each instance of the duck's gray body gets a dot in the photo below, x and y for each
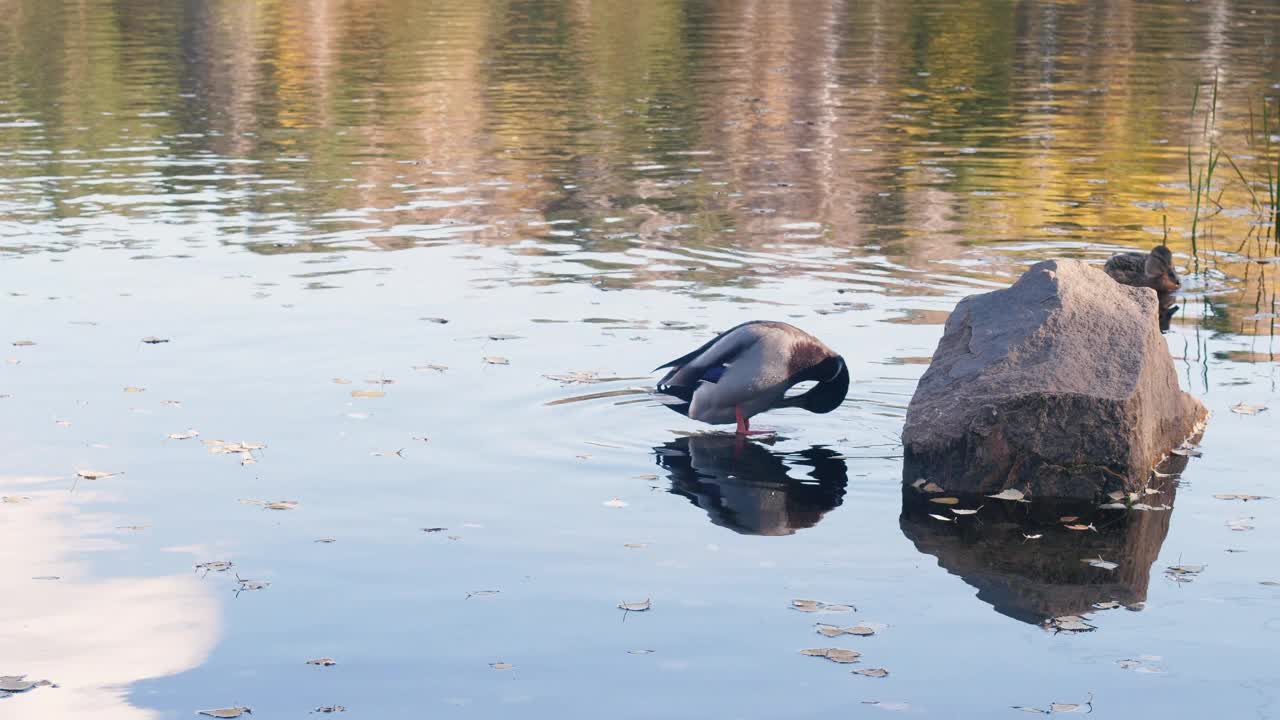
(748, 369)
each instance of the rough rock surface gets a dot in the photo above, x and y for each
(1059, 386)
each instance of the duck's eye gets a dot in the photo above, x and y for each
(801, 388)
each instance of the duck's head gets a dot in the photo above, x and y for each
(832, 378)
(1159, 270)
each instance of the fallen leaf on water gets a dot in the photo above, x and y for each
(434, 529)
(47, 577)
(614, 503)
(1037, 536)
(14, 499)
(1100, 563)
(381, 381)
(838, 655)
(95, 474)
(367, 394)
(281, 505)
(184, 435)
(215, 565)
(430, 366)
(1026, 709)
(1070, 623)
(1066, 708)
(231, 712)
(1068, 518)
(62, 423)
(1108, 605)
(1239, 496)
(959, 511)
(872, 672)
(1240, 524)
(1186, 452)
(325, 540)
(833, 630)
(641, 652)
(341, 381)
(171, 403)
(943, 518)
(640, 606)
(19, 683)
(1244, 408)
(1010, 494)
(1081, 527)
(495, 360)
(329, 709)
(153, 340)
(482, 593)
(251, 584)
(501, 665)
(1117, 495)
(23, 343)
(435, 320)
(504, 336)
(896, 706)
(1113, 506)
(635, 546)
(134, 389)
(323, 662)
(816, 606)
(1270, 583)
(388, 453)
(932, 487)
(945, 500)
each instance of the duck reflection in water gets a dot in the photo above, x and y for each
(1028, 565)
(747, 487)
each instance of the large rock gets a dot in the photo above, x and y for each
(1060, 386)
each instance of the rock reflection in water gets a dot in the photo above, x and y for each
(747, 487)
(1034, 579)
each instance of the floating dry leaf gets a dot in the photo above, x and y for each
(329, 709)
(1239, 496)
(838, 655)
(945, 500)
(932, 487)
(62, 423)
(501, 665)
(1270, 583)
(153, 340)
(895, 706)
(436, 320)
(184, 435)
(341, 381)
(834, 630)
(943, 518)
(1068, 518)
(614, 503)
(215, 566)
(323, 662)
(231, 712)
(1079, 526)
(1108, 605)
(325, 540)
(367, 394)
(430, 366)
(641, 652)
(1244, 408)
(171, 403)
(482, 593)
(495, 360)
(816, 606)
(14, 499)
(1183, 573)
(640, 606)
(1036, 536)
(134, 389)
(251, 584)
(1010, 494)
(1100, 563)
(281, 505)
(872, 672)
(388, 453)
(1070, 623)
(974, 511)
(635, 546)
(1113, 506)
(19, 683)
(95, 474)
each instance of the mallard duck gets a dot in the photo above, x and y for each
(1153, 270)
(748, 369)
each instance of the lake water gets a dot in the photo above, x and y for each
(294, 194)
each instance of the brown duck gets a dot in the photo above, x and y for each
(1153, 270)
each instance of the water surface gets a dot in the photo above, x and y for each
(295, 194)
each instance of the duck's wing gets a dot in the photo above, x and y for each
(1127, 268)
(708, 361)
